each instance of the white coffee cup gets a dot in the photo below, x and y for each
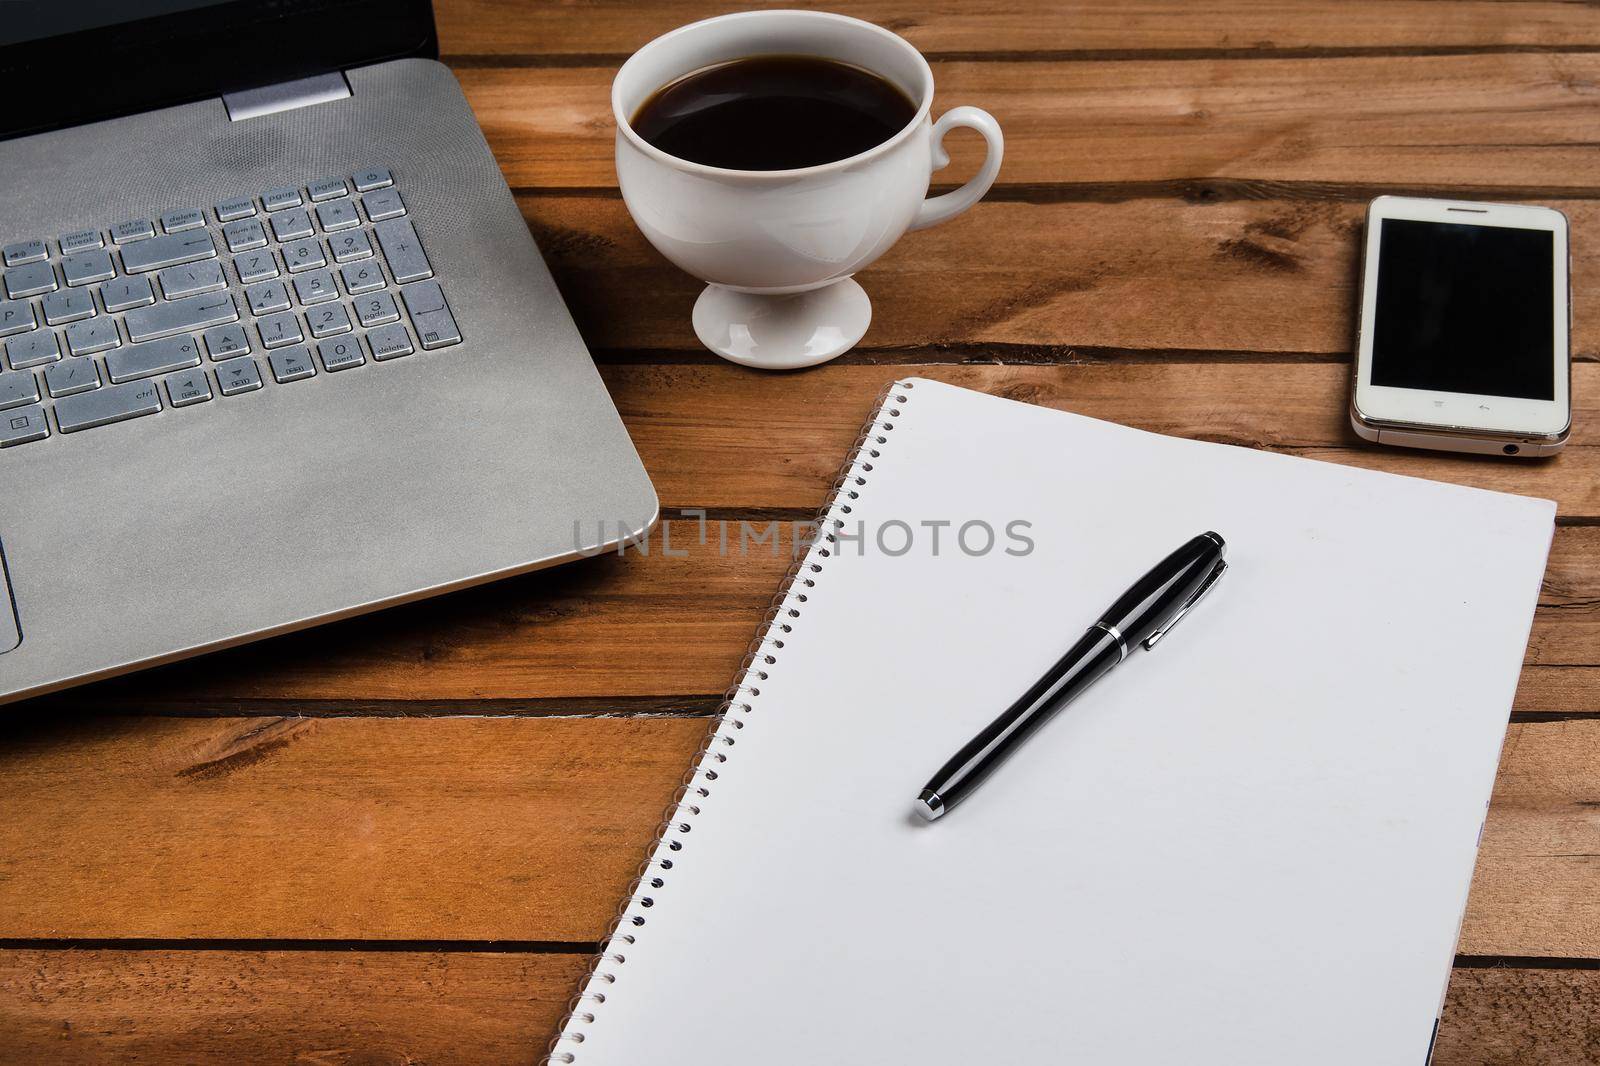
(777, 248)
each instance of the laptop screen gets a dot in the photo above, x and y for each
(76, 61)
(40, 21)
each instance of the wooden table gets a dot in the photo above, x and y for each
(395, 840)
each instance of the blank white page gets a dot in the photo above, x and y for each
(1250, 845)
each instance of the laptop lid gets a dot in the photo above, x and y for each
(66, 62)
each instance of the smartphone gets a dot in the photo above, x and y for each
(1464, 342)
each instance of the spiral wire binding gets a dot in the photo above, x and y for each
(777, 622)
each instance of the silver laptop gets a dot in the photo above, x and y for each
(278, 348)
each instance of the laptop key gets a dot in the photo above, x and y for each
(383, 204)
(304, 255)
(256, 266)
(178, 221)
(68, 305)
(22, 425)
(17, 388)
(85, 268)
(279, 330)
(114, 403)
(122, 294)
(338, 214)
(376, 309)
(30, 280)
(187, 387)
(238, 375)
(81, 241)
(236, 208)
(291, 225)
(362, 277)
(174, 249)
(327, 189)
(315, 287)
(389, 342)
(279, 199)
(33, 349)
(350, 246)
(195, 277)
(178, 316)
(16, 316)
(341, 354)
(328, 320)
(25, 252)
(134, 229)
(267, 297)
(153, 357)
(92, 335)
(373, 178)
(225, 342)
(431, 315)
(407, 261)
(244, 235)
(72, 377)
(292, 364)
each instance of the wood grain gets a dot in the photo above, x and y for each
(464, 828)
(496, 28)
(760, 448)
(396, 1008)
(1537, 884)
(520, 829)
(1141, 278)
(1519, 1017)
(388, 1008)
(1468, 121)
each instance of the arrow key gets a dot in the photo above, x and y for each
(238, 375)
(187, 387)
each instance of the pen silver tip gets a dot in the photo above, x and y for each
(929, 805)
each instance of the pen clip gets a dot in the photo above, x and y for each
(1205, 587)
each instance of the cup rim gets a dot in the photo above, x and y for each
(625, 125)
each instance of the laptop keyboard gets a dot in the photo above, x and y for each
(195, 307)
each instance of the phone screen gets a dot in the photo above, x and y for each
(1464, 308)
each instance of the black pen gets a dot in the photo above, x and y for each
(1142, 615)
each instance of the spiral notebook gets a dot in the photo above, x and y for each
(1250, 845)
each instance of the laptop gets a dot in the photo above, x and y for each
(277, 346)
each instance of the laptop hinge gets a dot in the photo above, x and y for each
(285, 96)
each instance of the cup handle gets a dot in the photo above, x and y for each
(937, 209)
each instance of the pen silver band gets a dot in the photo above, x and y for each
(1122, 645)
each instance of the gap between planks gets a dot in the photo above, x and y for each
(553, 947)
(545, 60)
(1195, 190)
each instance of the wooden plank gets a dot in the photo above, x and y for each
(762, 448)
(493, 28)
(463, 828)
(86, 1008)
(1519, 1017)
(519, 829)
(1035, 282)
(720, 436)
(1534, 892)
(1501, 120)
(317, 1008)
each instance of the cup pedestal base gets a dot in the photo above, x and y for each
(783, 332)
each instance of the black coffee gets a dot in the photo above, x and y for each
(773, 113)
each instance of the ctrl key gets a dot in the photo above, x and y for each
(23, 424)
(104, 406)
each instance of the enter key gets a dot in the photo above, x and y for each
(431, 315)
